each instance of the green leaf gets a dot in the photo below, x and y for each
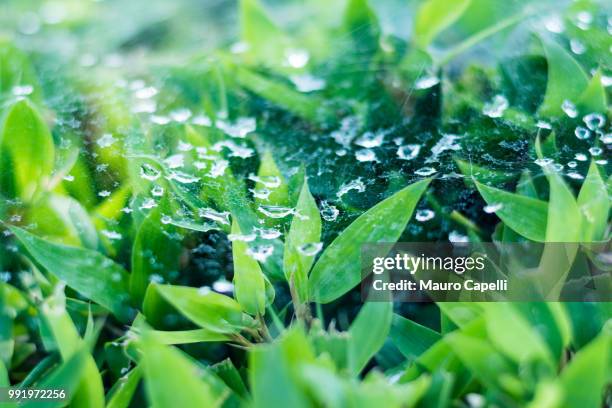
(305, 106)
(62, 219)
(155, 251)
(209, 310)
(594, 205)
(481, 359)
(361, 24)
(231, 377)
(411, 338)
(27, 152)
(123, 391)
(593, 98)
(338, 269)
(434, 16)
(305, 231)
(564, 217)
(267, 43)
(90, 390)
(368, 333)
(66, 377)
(249, 283)
(270, 174)
(108, 286)
(273, 371)
(566, 79)
(587, 375)
(177, 336)
(171, 379)
(482, 174)
(526, 216)
(506, 328)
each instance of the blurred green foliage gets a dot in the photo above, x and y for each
(185, 188)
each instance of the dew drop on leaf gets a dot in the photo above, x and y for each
(425, 171)
(275, 211)
(424, 215)
(328, 211)
(582, 133)
(408, 152)
(149, 172)
(594, 121)
(310, 249)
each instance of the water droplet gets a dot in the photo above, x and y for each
(543, 125)
(606, 139)
(365, 155)
(408, 152)
(426, 82)
(175, 161)
(496, 108)
(572, 164)
(582, 133)
(356, 185)
(307, 82)
(184, 146)
(236, 150)
(146, 93)
(492, 208)
(328, 211)
(106, 140)
(157, 191)
(218, 216)
(594, 121)
(203, 290)
(242, 237)
(577, 47)
(595, 151)
(202, 120)
(160, 120)
(22, 90)
(457, 237)
(149, 172)
(69, 177)
(267, 181)
(601, 162)
(269, 233)
(104, 193)
(574, 175)
(554, 24)
(261, 193)
(371, 139)
(447, 142)
(424, 215)
(275, 211)
(111, 234)
(180, 115)
(166, 219)
(223, 286)
(580, 157)
(425, 171)
(148, 204)
(239, 47)
(239, 129)
(569, 108)
(543, 161)
(260, 252)
(183, 178)
(310, 249)
(218, 168)
(297, 58)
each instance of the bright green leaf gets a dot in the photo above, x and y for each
(338, 269)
